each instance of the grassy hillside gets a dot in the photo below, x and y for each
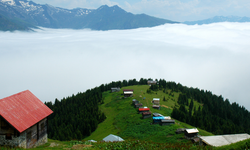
(123, 119)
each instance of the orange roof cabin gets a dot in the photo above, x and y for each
(128, 92)
(143, 109)
(23, 120)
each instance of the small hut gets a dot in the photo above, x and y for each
(138, 105)
(156, 101)
(167, 122)
(146, 115)
(180, 130)
(191, 133)
(115, 89)
(134, 101)
(157, 115)
(156, 106)
(128, 92)
(157, 120)
(150, 82)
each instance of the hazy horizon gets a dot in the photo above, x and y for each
(56, 63)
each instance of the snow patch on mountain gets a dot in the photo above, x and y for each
(28, 6)
(10, 2)
(81, 12)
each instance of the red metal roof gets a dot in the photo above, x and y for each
(23, 110)
(143, 109)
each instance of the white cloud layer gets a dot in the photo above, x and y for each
(55, 63)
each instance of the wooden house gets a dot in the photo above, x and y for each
(150, 82)
(115, 89)
(191, 133)
(180, 130)
(156, 101)
(157, 120)
(23, 120)
(128, 92)
(143, 109)
(156, 106)
(138, 105)
(165, 122)
(135, 101)
(157, 115)
(146, 115)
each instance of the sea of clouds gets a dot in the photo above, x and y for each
(56, 63)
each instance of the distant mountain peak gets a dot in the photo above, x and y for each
(103, 7)
(116, 6)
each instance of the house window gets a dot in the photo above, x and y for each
(4, 125)
(8, 137)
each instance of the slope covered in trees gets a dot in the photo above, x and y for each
(217, 115)
(9, 25)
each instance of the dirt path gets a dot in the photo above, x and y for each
(166, 106)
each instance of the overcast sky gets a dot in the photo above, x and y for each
(55, 63)
(176, 10)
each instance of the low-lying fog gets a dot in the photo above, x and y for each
(56, 63)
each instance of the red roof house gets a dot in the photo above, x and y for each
(141, 110)
(23, 120)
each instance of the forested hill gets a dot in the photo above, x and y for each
(217, 115)
(77, 116)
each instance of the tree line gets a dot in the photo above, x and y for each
(217, 115)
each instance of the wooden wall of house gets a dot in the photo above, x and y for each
(27, 139)
(36, 132)
(31, 136)
(42, 127)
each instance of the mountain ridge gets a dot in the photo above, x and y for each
(217, 19)
(102, 18)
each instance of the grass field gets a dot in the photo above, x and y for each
(123, 119)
